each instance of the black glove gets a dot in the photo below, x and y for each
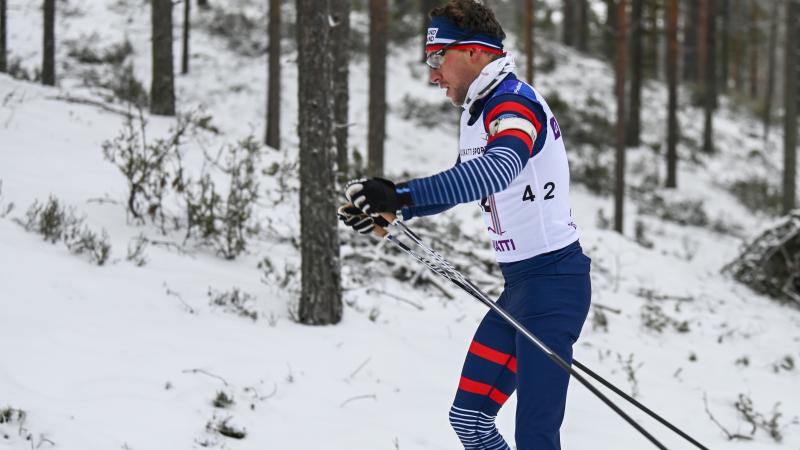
(377, 195)
(357, 220)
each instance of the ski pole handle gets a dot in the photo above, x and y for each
(381, 231)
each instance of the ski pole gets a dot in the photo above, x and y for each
(575, 362)
(442, 267)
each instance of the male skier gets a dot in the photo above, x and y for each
(513, 161)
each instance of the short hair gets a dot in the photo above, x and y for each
(472, 16)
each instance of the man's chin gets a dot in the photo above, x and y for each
(455, 99)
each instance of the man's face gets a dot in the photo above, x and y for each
(455, 75)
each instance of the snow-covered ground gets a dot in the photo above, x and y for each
(122, 356)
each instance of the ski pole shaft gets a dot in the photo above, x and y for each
(563, 364)
(638, 404)
(476, 293)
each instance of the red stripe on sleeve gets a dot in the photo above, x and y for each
(519, 134)
(476, 348)
(512, 107)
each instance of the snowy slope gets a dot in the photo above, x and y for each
(121, 356)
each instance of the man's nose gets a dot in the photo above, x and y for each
(434, 76)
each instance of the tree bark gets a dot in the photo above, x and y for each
(49, 44)
(738, 45)
(272, 136)
(633, 126)
(529, 24)
(610, 28)
(725, 47)
(790, 95)
(162, 88)
(652, 39)
(321, 296)
(621, 68)
(672, 93)
(186, 28)
(702, 44)
(378, 31)
(754, 42)
(340, 36)
(773, 44)
(568, 24)
(582, 41)
(690, 40)
(425, 7)
(710, 81)
(3, 34)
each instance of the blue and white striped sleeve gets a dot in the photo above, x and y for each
(421, 211)
(428, 210)
(505, 156)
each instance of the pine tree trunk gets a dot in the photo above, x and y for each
(425, 7)
(610, 29)
(529, 24)
(710, 81)
(49, 53)
(738, 45)
(690, 40)
(702, 46)
(773, 44)
(672, 93)
(378, 31)
(621, 68)
(3, 34)
(340, 36)
(754, 43)
(652, 40)
(726, 37)
(321, 295)
(633, 126)
(186, 27)
(162, 89)
(272, 136)
(568, 25)
(582, 43)
(791, 95)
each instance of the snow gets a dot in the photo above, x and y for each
(121, 356)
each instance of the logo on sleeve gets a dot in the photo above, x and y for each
(432, 34)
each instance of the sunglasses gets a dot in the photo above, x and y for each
(435, 59)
